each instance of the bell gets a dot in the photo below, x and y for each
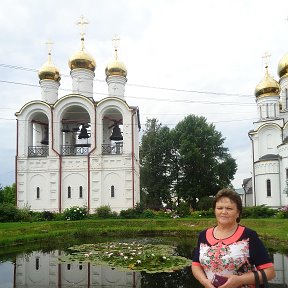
(45, 141)
(65, 128)
(83, 133)
(116, 134)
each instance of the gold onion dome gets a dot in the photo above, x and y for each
(49, 71)
(82, 59)
(283, 66)
(267, 87)
(116, 68)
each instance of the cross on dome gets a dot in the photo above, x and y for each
(266, 59)
(81, 23)
(49, 44)
(115, 43)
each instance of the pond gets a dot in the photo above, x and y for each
(40, 267)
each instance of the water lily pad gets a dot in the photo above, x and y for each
(129, 256)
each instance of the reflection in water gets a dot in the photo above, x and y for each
(44, 270)
(41, 270)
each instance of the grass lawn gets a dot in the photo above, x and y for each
(272, 231)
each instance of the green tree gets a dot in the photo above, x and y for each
(155, 157)
(204, 165)
(8, 194)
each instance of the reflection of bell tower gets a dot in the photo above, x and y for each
(73, 150)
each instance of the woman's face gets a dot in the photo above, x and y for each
(226, 211)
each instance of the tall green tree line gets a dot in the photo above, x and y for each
(185, 163)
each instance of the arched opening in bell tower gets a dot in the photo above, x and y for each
(38, 135)
(75, 131)
(112, 132)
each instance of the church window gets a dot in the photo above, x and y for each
(268, 186)
(38, 193)
(69, 192)
(112, 191)
(37, 263)
(80, 192)
(80, 267)
(267, 110)
(68, 266)
(286, 174)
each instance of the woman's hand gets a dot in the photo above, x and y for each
(233, 281)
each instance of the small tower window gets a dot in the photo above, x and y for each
(38, 193)
(37, 263)
(69, 192)
(112, 191)
(68, 266)
(80, 192)
(268, 186)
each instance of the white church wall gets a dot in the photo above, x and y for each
(267, 170)
(269, 139)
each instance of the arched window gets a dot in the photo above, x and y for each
(268, 186)
(80, 267)
(68, 266)
(80, 192)
(69, 192)
(38, 193)
(112, 191)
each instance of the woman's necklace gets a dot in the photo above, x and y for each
(218, 234)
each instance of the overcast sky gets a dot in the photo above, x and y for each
(183, 57)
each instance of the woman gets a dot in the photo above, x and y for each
(230, 249)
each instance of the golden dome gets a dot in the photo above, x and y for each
(116, 68)
(283, 66)
(267, 87)
(49, 71)
(82, 59)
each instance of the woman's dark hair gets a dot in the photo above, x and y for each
(233, 196)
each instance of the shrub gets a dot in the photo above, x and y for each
(8, 213)
(260, 211)
(282, 212)
(183, 209)
(129, 213)
(75, 213)
(104, 211)
(203, 214)
(25, 214)
(148, 214)
(205, 203)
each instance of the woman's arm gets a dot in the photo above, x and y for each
(247, 278)
(199, 274)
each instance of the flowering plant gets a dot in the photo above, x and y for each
(75, 213)
(129, 256)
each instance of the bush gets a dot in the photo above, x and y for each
(260, 211)
(183, 209)
(25, 214)
(205, 203)
(282, 213)
(129, 213)
(104, 212)
(203, 214)
(75, 213)
(148, 214)
(8, 213)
